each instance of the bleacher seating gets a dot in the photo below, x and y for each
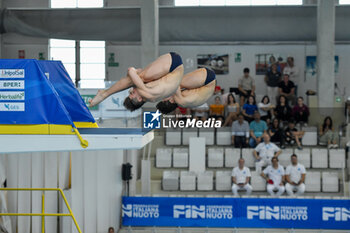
(208, 134)
(284, 157)
(180, 157)
(187, 181)
(313, 182)
(215, 157)
(231, 157)
(173, 137)
(223, 180)
(187, 134)
(247, 155)
(258, 183)
(205, 181)
(319, 158)
(223, 136)
(170, 180)
(304, 157)
(337, 158)
(330, 182)
(310, 136)
(163, 157)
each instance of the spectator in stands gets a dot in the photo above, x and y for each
(327, 134)
(301, 112)
(293, 135)
(246, 86)
(276, 133)
(201, 112)
(240, 132)
(241, 178)
(295, 177)
(182, 113)
(111, 230)
(249, 108)
(293, 72)
(282, 111)
(217, 92)
(257, 129)
(217, 110)
(264, 152)
(266, 109)
(274, 176)
(272, 79)
(231, 110)
(286, 88)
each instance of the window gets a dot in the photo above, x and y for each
(76, 3)
(237, 2)
(344, 2)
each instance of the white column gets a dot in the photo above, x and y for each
(149, 31)
(325, 54)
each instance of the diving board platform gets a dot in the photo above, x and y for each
(98, 139)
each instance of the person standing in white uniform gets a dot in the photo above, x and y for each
(295, 177)
(240, 178)
(274, 176)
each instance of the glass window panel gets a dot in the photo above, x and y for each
(62, 43)
(186, 2)
(92, 55)
(344, 1)
(70, 69)
(92, 44)
(90, 3)
(92, 71)
(92, 84)
(289, 2)
(63, 3)
(212, 2)
(237, 2)
(66, 55)
(263, 2)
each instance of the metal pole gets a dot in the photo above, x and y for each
(43, 212)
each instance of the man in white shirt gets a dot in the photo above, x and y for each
(274, 176)
(293, 73)
(240, 178)
(267, 150)
(295, 177)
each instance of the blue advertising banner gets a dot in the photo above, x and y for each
(236, 212)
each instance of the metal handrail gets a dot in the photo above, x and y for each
(43, 214)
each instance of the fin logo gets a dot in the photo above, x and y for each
(127, 210)
(11, 73)
(294, 213)
(151, 120)
(189, 211)
(339, 214)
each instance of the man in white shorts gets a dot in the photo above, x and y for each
(295, 177)
(267, 150)
(274, 176)
(240, 178)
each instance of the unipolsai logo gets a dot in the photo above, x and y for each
(140, 211)
(337, 213)
(277, 212)
(189, 211)
(151, 120)
(11, 73)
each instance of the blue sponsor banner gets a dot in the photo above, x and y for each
(236, 212)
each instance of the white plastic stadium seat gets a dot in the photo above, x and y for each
(205, 181)
(337, 158)
(180, 157)
(215, 157)
(319, 158)
(247, 155)
(187, 181)
(170, 180)
(223, 136)
(258, 183)
(223, 181)
(304, 157)
(208, 134)
(231, 157)
(284, 157)
(173, 137)
(187, 134)
(330, 182)
(313, 182)
(310, 136)
(163, 157)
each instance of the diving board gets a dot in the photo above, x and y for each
(98, 138)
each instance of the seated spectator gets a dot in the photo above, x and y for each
(257, 129)
(201, 112)
(327, 134)
(287, 88)
(240, 132)
(217, 93)
(276, 133)
(301, 112)
(274, 176)
(292, 135)
(249, 108)
(217, 110)
(266, 109)
(295, 177)
(240, 178)
(264, 152)
(232, 110)
(282, 111)
(182, 113)
(111, 230)
(246, 86)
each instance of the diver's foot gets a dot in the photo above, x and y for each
(99, 97)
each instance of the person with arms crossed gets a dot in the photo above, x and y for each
(240, 132)
(274, 176)
(295, 177)
(246, 86)
(240, 178)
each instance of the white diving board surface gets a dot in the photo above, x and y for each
(98, 138)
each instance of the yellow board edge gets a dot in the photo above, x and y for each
(85, 124)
